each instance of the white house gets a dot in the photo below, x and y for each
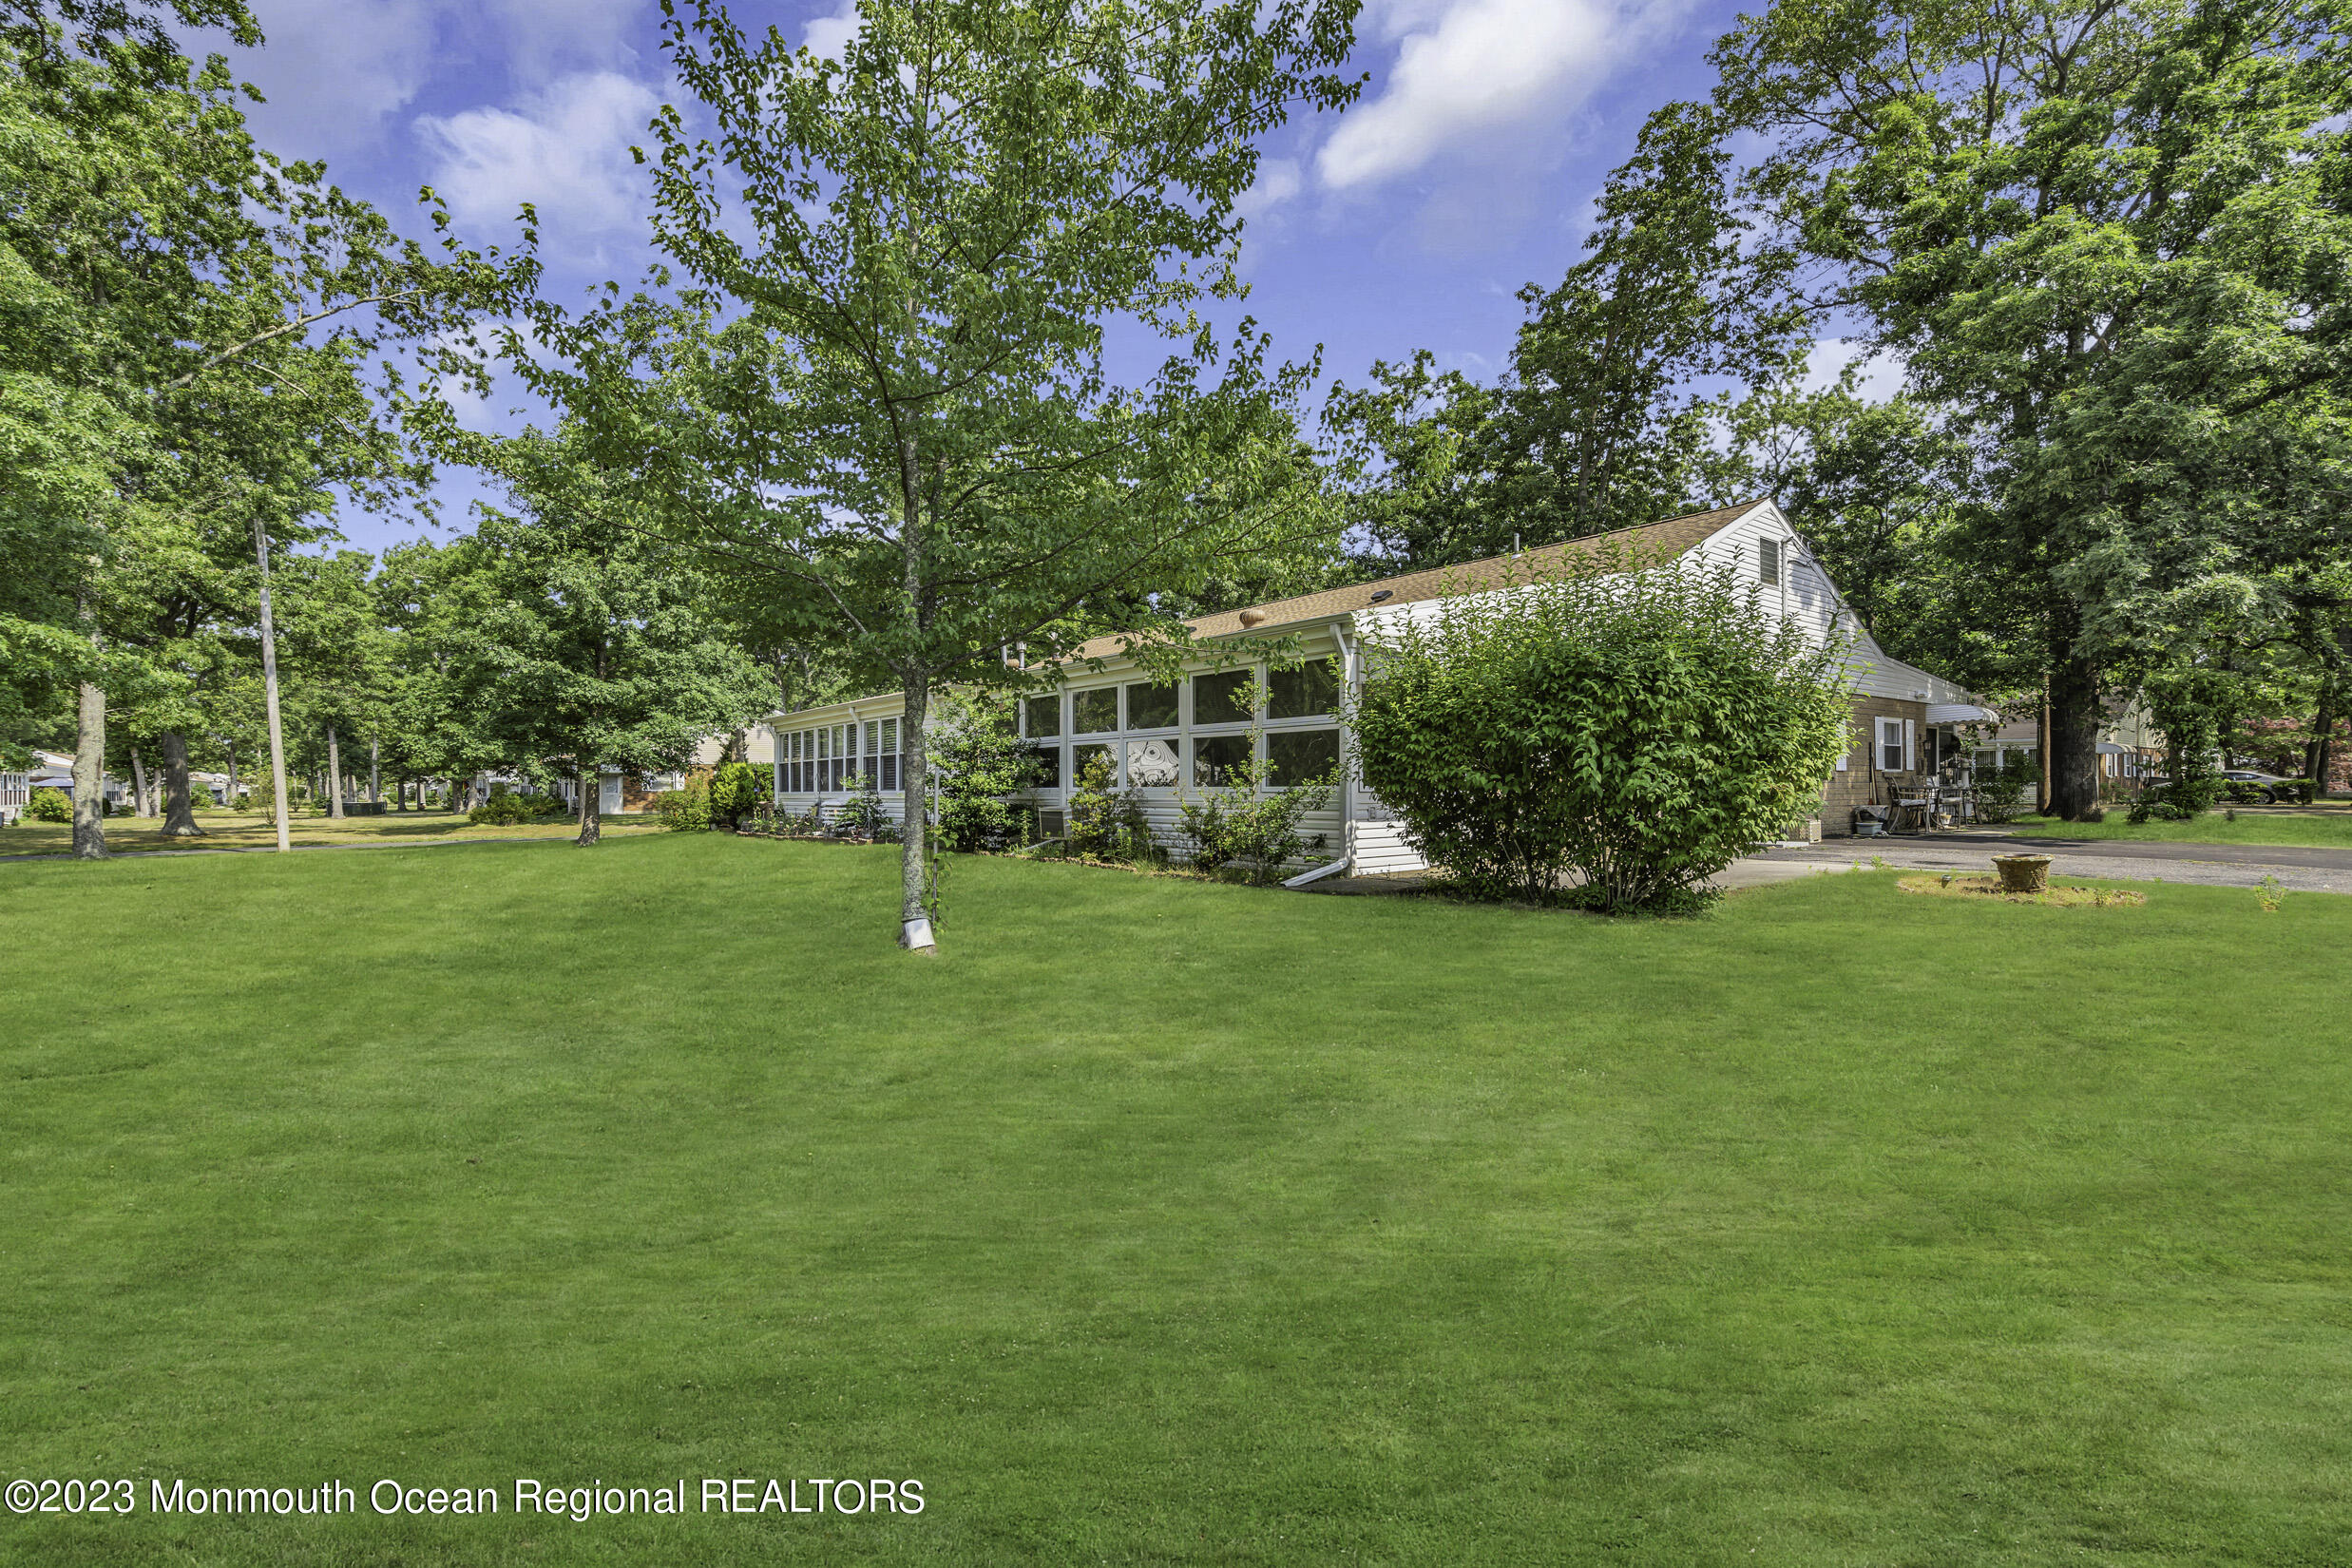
(1164, 739)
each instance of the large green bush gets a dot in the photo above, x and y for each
(1641, 727)
(686, 811)
(49, 805)
(734, 789)
(2000, 787)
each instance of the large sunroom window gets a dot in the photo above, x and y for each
(1300, 756)
(1150, 707)
(1155, 764)
(1217, 698)
(1095, 712)
(1308, 692)
(1217, 760)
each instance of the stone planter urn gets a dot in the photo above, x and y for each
(2024, 873)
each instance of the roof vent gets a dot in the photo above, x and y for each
(1384, 593)
(1253, 618)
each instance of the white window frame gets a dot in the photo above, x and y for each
(1886, 734)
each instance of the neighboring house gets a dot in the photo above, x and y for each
(2131, 748)
(1164, 740)
(55, 771)
(15, 792)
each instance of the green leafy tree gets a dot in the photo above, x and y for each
(1641, 725)
(595, 648)
(177, 291)
(883, 387)
(2112, 241)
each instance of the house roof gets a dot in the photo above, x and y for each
(1664, 540)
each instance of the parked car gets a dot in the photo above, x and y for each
(2274, 789)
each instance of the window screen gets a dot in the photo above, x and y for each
(1301, 756)
(1216, 698)
(1218, 758)
(1311, 690)
(1095, 712)
(889, 754)
(1044, 716)
(1150, 707)
(1767, 560)
(1890, 745)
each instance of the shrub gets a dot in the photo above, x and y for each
(2245, 792)
(2000, 789)
(2303, 791)
(864, 815)
(734, 789)
(1106, 822)
(982, 763)
(1639, 723)
(1238, 822)
(503, 810)
(47, 804)
(686, 811)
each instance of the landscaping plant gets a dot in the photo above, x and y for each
(49, 805)
(1106, 822)
(983, 763)
(1636, 723)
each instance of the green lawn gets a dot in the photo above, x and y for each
(1165, 1222)
(2328, 826)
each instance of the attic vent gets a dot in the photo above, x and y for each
(1252, 618)
(1384, 593)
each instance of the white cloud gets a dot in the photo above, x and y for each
(1278, 180)
(829, 35)
(1879, 379)
(333, 69)
(566, 150)
(1470, 69)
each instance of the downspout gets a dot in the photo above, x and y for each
(1347, 815)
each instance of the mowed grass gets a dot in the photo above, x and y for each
(256, 830)
(2325, 826)
(1165, 1222)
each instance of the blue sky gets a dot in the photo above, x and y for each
(1466, 170)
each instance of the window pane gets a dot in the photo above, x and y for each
(1095, 712)
(1150, 707)
(1301, 756)
(1310, 689)
(1047, 767)
(1044, 716)
(1216, 698)
(1154, 764)
(1216, 758)
(1767, 560)
(1081, 756)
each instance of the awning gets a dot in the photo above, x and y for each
(2107, 748)
(1961, 713)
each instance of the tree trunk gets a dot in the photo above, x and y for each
(375, 776)
(2317, 760)
(279, 804)
(231, 803)
(89, 775)
(2073, 759)
(334, 774)
(2041, 751)
(139, 785)
(592, 806)
(914, 924)
(179, 809)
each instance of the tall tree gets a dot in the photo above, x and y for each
(596, 648)
(169, 265)
(2113, 239)
(886, 384)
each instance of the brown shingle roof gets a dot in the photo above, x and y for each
(1665, 540)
